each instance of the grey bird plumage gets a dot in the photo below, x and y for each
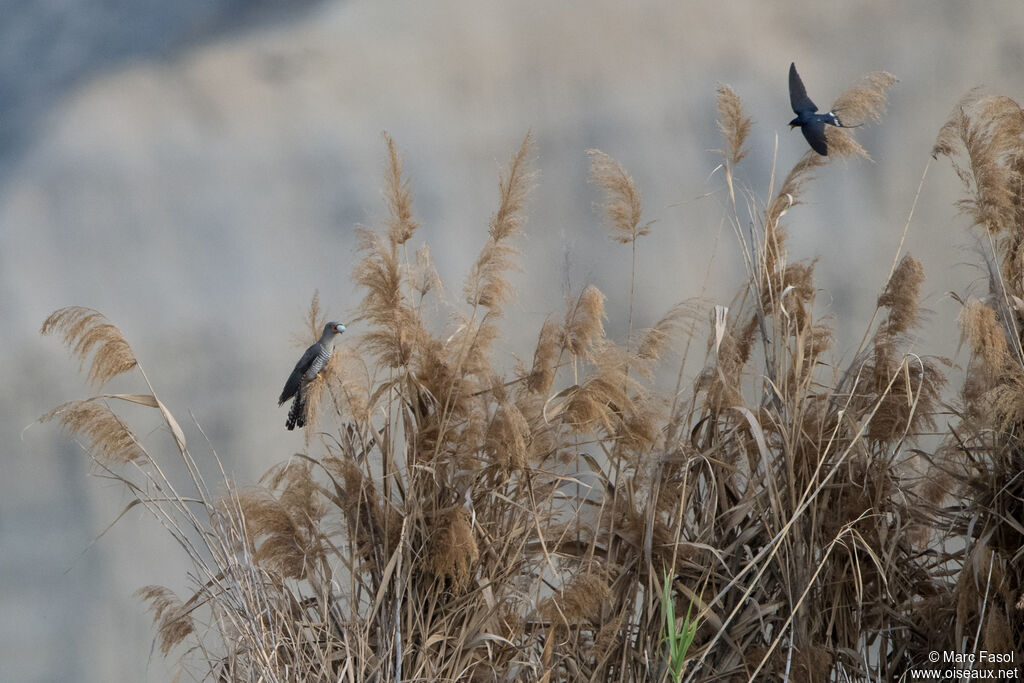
(309, 366)
(810, 123)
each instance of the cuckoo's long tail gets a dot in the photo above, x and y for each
(297, 413)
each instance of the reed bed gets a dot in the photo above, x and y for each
(451, 519)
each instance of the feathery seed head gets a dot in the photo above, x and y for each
(734, 124)
(901, 297)
(112, 441)
(84, 330)
(622, 204)
(398, 193)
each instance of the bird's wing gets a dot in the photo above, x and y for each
(798, 98)
(291, 387)
(814, 131)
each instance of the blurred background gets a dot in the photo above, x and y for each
(195, 170)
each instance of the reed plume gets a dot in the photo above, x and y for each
(84, 330)
(733, 124)
(111, 440)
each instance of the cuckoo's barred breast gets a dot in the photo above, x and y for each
(323, 355)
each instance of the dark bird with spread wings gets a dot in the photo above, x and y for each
(810, 123)
(309, 366)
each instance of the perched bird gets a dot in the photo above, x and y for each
(309, 366)
(811, 124)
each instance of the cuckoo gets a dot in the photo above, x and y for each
(309, 366)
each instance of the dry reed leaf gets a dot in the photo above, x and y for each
(151, 401)
(84, 329)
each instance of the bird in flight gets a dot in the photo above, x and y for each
(811, 124)
(309, 366)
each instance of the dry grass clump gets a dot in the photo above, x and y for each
(463, 521)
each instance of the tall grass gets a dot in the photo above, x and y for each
(453, 520)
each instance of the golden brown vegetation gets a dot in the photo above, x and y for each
(979, 499)
(456, 521)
